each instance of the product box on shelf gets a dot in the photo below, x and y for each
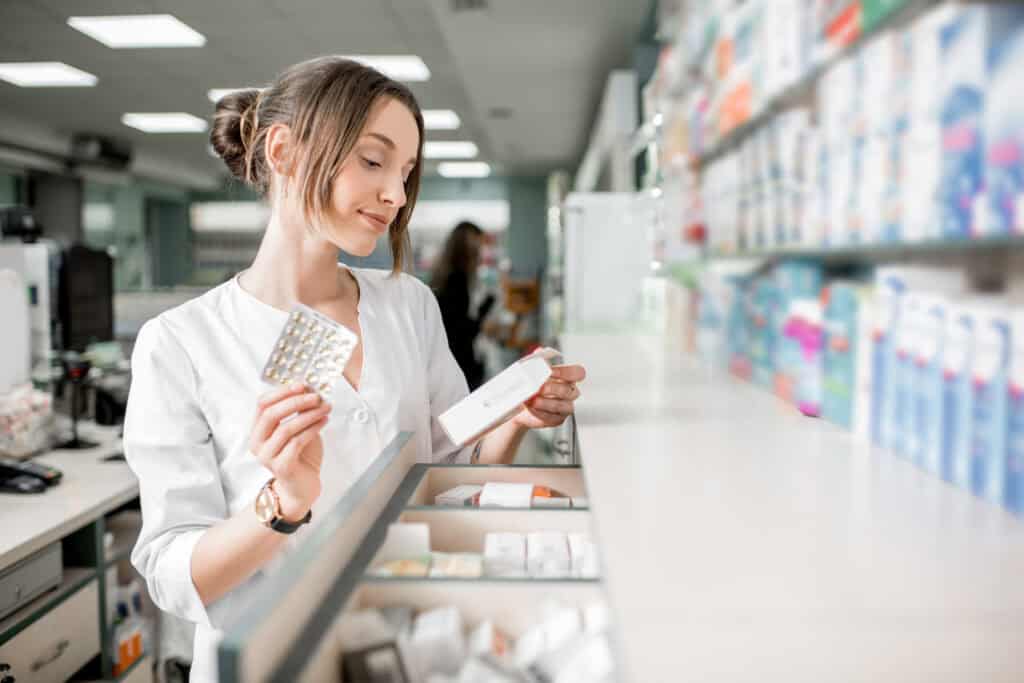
(926, 401)
(989, 419)
(1015, 423)
(810, 335)
(967, 41)
(1004, 136)
(841, 350)
(903, 440)
(957, 394)
(890, 286)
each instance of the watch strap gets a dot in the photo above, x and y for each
(283, 526)
(278, 523)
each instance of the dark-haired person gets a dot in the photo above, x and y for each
(452, 280)
(336, 149)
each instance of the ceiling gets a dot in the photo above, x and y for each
(525, 76)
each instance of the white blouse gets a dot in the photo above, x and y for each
(196, 377)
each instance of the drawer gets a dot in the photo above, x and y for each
(60, 643)
(462, 530)
(438, 479)
(512, 607)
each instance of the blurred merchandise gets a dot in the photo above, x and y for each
(26, 421)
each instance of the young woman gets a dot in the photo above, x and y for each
(452, 281)
(336, 148)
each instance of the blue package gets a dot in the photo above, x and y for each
(957, 393)
(841, 322)
(1004, 134)
(962, 107)
(902, 437)
(890, 286)
(927, 399)
(1015, 421)
(989, 418)
(976, 40)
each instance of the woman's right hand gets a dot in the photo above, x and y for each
(291, 448)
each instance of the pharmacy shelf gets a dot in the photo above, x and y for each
(805, 87)
(742, 541)
(878, 251)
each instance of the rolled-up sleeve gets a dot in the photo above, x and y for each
(168, 444)
(446, 385)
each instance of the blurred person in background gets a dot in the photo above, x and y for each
(453, 280)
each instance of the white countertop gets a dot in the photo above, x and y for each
(89, 488)
(745, 542)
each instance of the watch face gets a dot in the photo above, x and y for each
(265, 509)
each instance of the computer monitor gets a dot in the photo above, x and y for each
(86, 297)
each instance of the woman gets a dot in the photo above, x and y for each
(336, 148)
(452, 281)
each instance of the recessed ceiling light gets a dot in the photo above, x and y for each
(440, 119)
(174, 122)
(447, 149)
(217, 93)
(398, 67)
(45, 75)
(138, 30)
(464, 169)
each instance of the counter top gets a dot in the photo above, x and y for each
(89, 488)
(742, 541)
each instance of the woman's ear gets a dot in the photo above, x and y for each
(278, 151)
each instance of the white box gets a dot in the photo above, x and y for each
(497, 400)
(547, 555)
(505, 555)
(506, 495)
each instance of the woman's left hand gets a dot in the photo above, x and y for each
(555, 400)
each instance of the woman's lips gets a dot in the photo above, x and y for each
(377, 222)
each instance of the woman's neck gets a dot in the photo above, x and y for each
(295, 265)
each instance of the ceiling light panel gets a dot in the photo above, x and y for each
(407, 68)
(464, 169)
(449, 149)
(172, 122)
(138, 31)
(46, 75)
(441, 119)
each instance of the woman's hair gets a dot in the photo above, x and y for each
(459, 254)
(326, 103)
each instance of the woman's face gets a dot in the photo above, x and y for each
(370, 188)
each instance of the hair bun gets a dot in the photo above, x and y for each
(234, 127)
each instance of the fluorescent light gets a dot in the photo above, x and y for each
(398, 67)
(446, 149)
(440, 119)
(217, 93)
(45, 75)
(138, 30)
(175, 122)
(464, 169)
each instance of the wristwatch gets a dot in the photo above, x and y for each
(268, 510)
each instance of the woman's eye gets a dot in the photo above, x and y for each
(371, 163)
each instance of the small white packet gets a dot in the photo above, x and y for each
(583, 557)
(437, 645)
(506, 495)
(456, 565)
(460, 496)
(547, 555)
(505, 555)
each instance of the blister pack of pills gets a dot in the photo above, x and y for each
(312, 349)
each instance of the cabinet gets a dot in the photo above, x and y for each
(291, 632)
